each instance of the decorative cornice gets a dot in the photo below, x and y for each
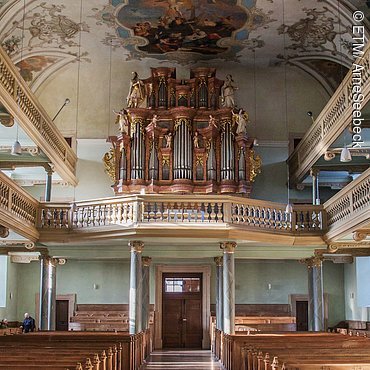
(360, 235)
(136, 246)
(228, 247)
(24, 258)
(18, 243)
(334, 247)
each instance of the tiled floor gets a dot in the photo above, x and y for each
(172, 360)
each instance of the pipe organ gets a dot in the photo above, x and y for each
(183, 140)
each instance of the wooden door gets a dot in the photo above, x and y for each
(62, 316)
(182, 311)
(302, 315)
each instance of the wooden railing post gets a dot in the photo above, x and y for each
(119, 356)
(267, 362)
(96, 363)
(114, 358)
(110, 359)
(103, 358)
(88, 364)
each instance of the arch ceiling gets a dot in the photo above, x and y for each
(313, 35)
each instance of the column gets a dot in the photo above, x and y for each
(315, 186)
(135, 299)
(315, 294)
(228, 287)
(219, 292)
(146, 261)
(49, 180)
(47, 293)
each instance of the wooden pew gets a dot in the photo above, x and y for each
(75, 350)
(306, 351)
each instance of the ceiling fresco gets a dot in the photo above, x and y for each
(250, 32)
(182, 30)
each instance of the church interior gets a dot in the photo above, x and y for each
(185, 184)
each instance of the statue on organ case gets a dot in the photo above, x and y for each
(241, 119)
(136, 93)
(168, 138)
(123, 120)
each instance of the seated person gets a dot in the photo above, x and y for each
(4, 324)
(28, 323)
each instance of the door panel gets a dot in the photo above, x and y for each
(193, 315)
(62, 317)
(182, 311)
(172, 324)
(302, 315)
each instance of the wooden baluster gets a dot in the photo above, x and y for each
(159, 211)
(103, 359)
(219, 212)
(79, 366)
(124, 212)
(213, 213)
(88, 365)
(110, 359)
(275, 363)
(151, 214)
(267, 362)
(114, 213)
(119, 356)
(96, 362)
(257, 360)
(283, 367)
(114, 357)
(249, 360)
(119, 213)
(171, 212)
(164, 211)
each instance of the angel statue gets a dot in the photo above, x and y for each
(196, 139)
(168, 138)
(136, 93)
(227, 92)
(241, 119)
(123, 120)
(212, 121)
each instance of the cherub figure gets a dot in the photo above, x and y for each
(168, 138)
(154, 121)
(212, 121)
(196, 140)
(123, 119)
(241, 119)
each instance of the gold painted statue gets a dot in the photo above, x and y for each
(136, 94)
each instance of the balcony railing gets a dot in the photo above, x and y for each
(17, 97)
(18, 210)
(349, 208)
(185, 209)
(334, 118)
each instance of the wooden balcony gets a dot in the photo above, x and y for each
(21, 103)
(18, 210)
(349, 209)
(334, 118)
(192, 216)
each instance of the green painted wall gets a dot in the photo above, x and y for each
(252, 279)
(10, 310)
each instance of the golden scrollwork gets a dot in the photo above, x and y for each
(255, 163)
(165, 159)
(109, 160)
(199, 160)
(181, 120)
(133, 124)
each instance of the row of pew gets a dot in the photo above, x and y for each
(74, 351)
(292, 351)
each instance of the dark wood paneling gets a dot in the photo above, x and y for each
(62, 316)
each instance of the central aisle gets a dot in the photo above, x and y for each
(194, 360)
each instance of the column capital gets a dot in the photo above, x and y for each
(228, 247)
(219, 260)
(314, 171)
(146, 261)
(136, 245)
(50, 260)
(314, 261)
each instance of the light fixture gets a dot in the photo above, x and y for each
(345, 155)
(310, 114)
(66, 102)
(16, 147)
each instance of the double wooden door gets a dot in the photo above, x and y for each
(182, 311)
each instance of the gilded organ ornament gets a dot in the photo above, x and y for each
(190, 138)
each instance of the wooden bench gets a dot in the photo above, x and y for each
(305, 351)
(75, 350)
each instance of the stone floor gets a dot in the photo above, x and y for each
(172, 360)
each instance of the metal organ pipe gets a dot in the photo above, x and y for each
(227, 153)
(183, 152)
(137, 148)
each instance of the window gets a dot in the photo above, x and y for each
(3, 279)
(182, 285)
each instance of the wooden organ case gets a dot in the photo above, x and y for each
(183, 141)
